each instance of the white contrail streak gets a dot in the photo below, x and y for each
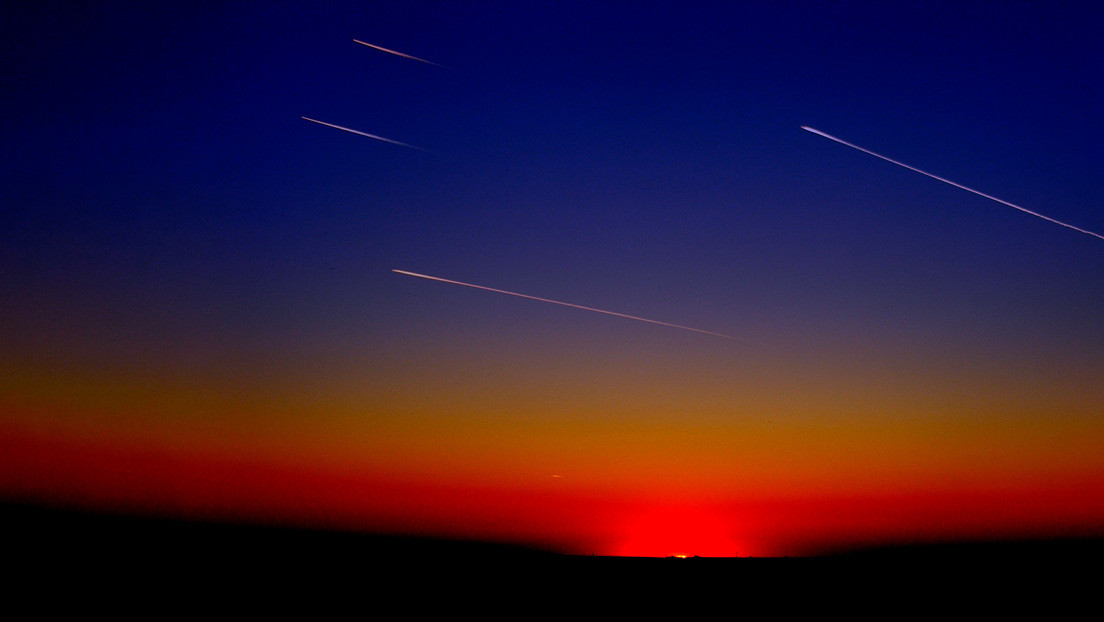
(386, 140)
(565, 304)
(947, 181)
(421, 60)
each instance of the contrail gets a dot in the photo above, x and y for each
(565, 304)
(386, 140)
(947, 181)
(421, 60)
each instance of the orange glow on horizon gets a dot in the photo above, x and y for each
(143, 479)
(648, 486)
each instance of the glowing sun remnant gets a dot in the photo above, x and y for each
(678, 532)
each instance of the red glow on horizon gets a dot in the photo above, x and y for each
(679, 532)
(242, 487)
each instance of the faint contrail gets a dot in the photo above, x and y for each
(565, 304)
(421, 60)
(386, 140)
(947, 181)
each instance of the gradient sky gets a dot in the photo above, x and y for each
(199, 316)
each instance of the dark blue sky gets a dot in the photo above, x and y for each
(615, 156)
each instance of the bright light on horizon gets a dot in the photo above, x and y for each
(679, 532)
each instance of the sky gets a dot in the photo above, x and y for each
(200, 318)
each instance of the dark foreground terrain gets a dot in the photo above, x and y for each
(53, 546)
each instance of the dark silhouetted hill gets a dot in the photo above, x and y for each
(46, 546)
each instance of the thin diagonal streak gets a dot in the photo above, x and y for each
(386, 140)
(422, 60)
(947, 181)
(565, 304)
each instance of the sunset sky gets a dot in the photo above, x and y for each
(199, 316)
